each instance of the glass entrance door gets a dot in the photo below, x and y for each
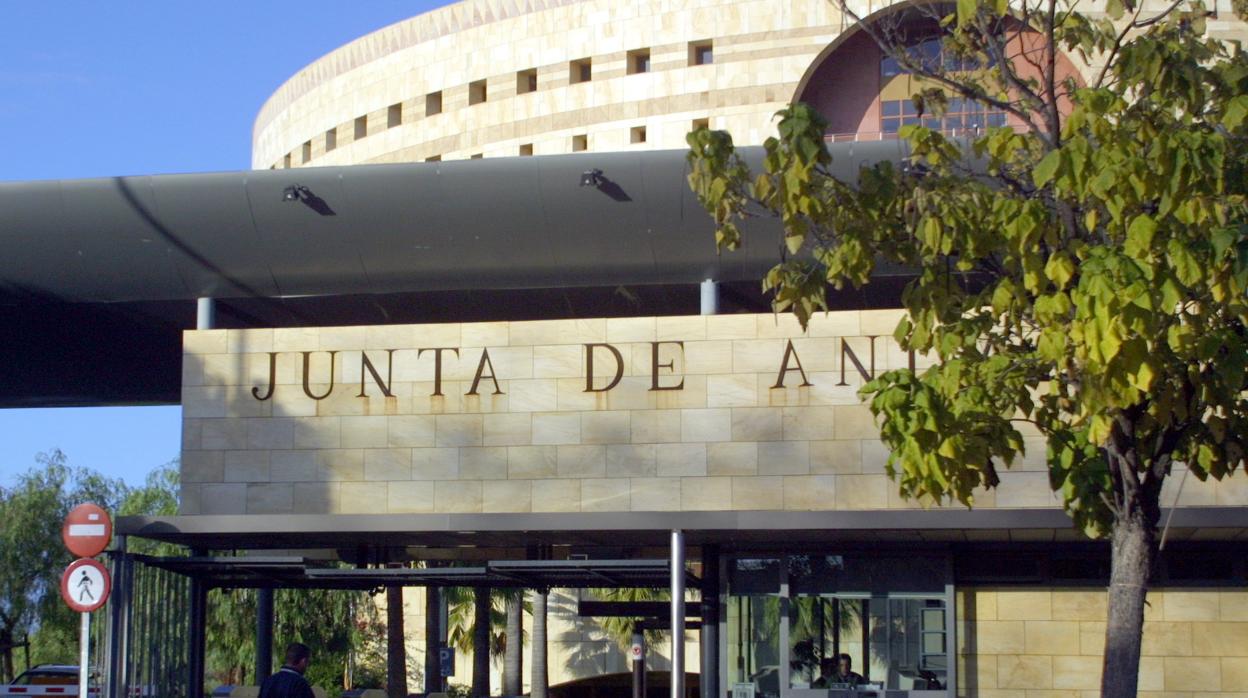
(801, 625)
(822, 628)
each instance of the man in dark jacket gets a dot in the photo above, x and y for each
(289, 682)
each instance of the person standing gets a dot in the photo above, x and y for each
(289, 682)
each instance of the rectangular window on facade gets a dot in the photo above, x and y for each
(306, 155)
(580, 71)
(433, 103)
(639, 61)
(526, 81)
(286, 161)
(476, 92)
(476, 156)
(434, 158)
(701, 52)
(637, 134)
(361, 127)
(580, 143)
(526, 149)
(700, 123)
(962, 116)
(394, 115)
(331, 139)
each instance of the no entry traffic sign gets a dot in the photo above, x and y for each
(87, 530)
(85, 585)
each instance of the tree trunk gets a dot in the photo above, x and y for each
(481, 642)
(540, 681)
(513, 669)
(1134, 550)
(6, 657)
(396, 648)
(433, 639)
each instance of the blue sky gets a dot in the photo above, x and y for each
(96, 89)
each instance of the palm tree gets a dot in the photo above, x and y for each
(513, 642)
(540, 681)
(621, 629)
(396, 650)
(505, 621)
(433, 638)
(482, 608)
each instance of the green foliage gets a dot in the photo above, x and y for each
(343, 629)
(32, 555)
(461, 619)
(1087, 276)
(621, 629)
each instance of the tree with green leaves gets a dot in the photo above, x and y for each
(343, 628)
(32, 555)
(1083, 271)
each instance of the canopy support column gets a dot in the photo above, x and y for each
(119, 621)
(710, 297)
(264, 634)
(709, 640)
(206, 314)
(678, 614)
(196, 634)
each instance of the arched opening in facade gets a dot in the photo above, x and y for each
(865, 94)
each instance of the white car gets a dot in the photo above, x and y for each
(48, 680)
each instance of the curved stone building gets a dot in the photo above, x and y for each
(517, 77)
(537, 373)
(490, 78)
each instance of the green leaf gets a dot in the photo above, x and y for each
(1044, 170)
(1140, 236)
(1185, 264)
(1060, 269)
(1235, 112)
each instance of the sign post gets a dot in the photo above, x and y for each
(84, 654)
(85, 585)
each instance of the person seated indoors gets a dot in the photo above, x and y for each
(840, 674)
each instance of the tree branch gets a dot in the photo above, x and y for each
(1122, 36)
(971, 91)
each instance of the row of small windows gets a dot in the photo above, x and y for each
(580, 142)
(579, 71)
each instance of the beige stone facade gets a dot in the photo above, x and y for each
(759, 52)
(726, 439)
(1048, 643)
(490, 78)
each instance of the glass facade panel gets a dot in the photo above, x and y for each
(754, 624)
(790, 619)
(960, 117)
(821, 628)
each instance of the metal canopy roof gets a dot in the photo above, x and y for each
(613, 529)
(98, 277)
(297, 572)
(522, 222)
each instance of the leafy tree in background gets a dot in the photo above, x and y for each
(1086, 275)
(32, 556)
(343, 628)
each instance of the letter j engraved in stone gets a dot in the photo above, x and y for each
(255, 391)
